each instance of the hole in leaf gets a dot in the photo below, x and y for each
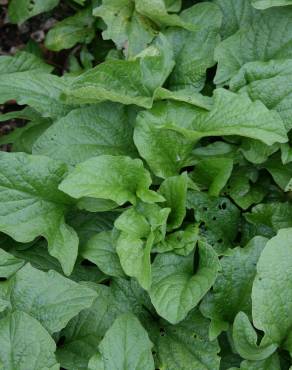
(162, 332)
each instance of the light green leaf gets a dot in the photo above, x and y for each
(245, 340)
(271, 293)
(21, 10)
(134, 256)
(41, 91)
(22, 61)
(21, 351)
(117, 178)
(237, 14)
(70, 31)
(32, 205)
(49, 297)
(252, 44)
(9, 264)
(232, 289)
(264, 4)
(87, 132)
(174, 190)
(262, 81)
(176, 289)
(126, 346)
(212, 174)
(181, 242)
(128, 82)
(190, 68)
(187, 345)
(125, 26)
(101, 250)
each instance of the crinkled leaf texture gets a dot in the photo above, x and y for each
(31, 204)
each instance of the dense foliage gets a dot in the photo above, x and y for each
(145, 211)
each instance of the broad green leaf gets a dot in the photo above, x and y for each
(70, 31)
(9, 264)
(49, 297)
(219, 219)
(251, 44)
(271, 293)
(281, 174)
(176, 288)
(232, 290)
(212, 174)
(125, 26)
(174, 190)
(181, 242)
(264, 4)
(41, 91)
(87, 132)
(257, 152)
(101, 250)
(32, 205)
(245, 340)
(166, 152)
(271, 363)
(117, 178)
(243, 187)
(25, 344)
(125, 81)
(237, 14)
(270, 217)
(21, 10)
(190, 68)
(184, 95)
(135, 259)
(269, 82)
(22, 61)
(187, 345)
(126, 346)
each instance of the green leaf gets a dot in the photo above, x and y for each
(271, 363)
(174, 190)
(21, 351)
(245, 340)
(232, 289)
(41, 91)
(187, 345)
(49, 297)
(257, 152)
(135, 259)
(271, 293)
(125, 81)
(21, 62)
(212, 174)
(71, 30)
(252, 44)
(125, 26)
(32, 205)
(260, 79)
(264, 4)
(270, 217)
(219, 218)
(190, 68)
(281, 174)
(100, 249)
(243, 187)
(237, 14)
(117, 178)
(21, 10)
(9, 264)
(176, 288)
(126, 346)
(102, 129)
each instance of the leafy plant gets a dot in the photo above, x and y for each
(145, 206)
